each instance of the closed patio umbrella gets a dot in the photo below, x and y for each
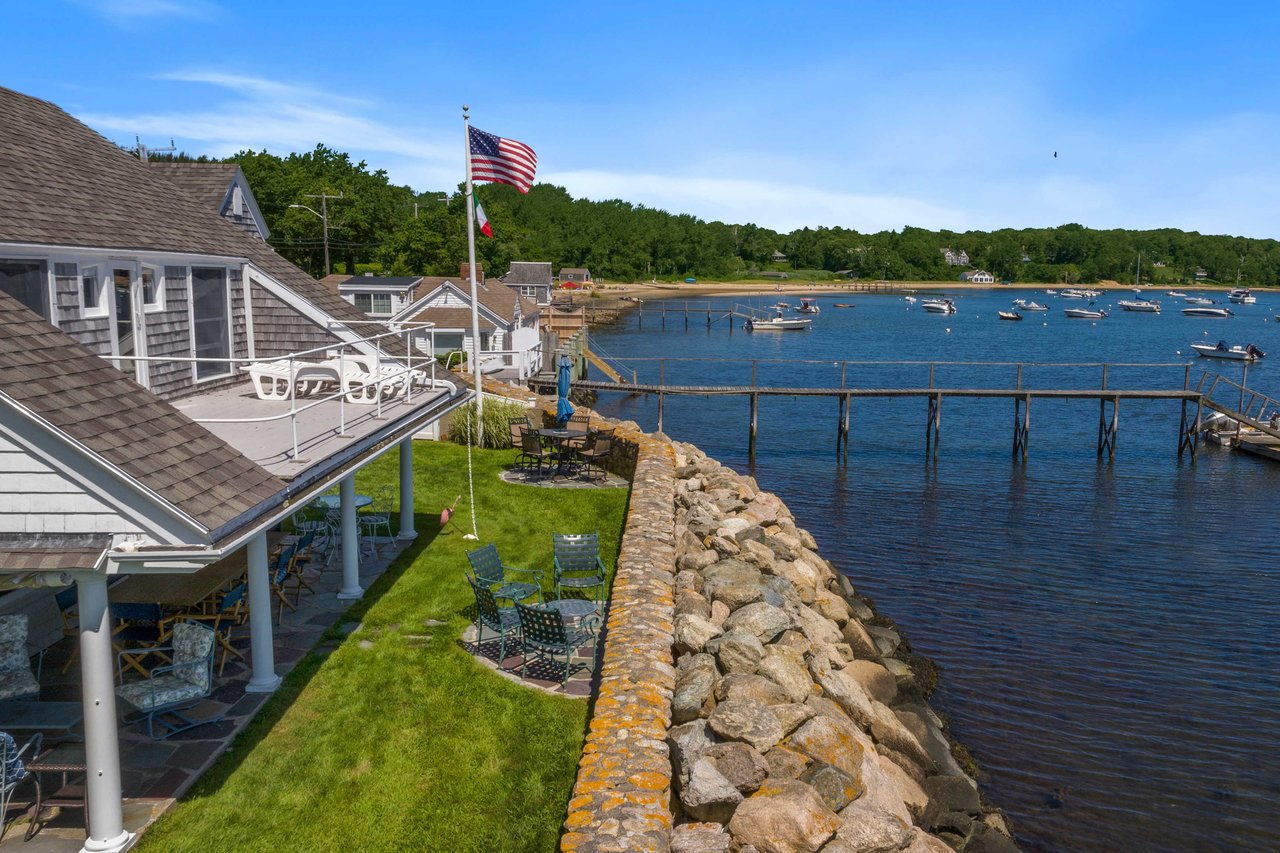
(563, 407)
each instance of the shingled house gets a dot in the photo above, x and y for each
(531, 279)
(132, 444)
(508, 322)
(222, 187)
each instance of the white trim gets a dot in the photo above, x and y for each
(100, 311)
(313, 312)
(157, 286)
(100, 253)
(197, 379)
(247, 287)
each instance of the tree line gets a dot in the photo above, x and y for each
(393, 230)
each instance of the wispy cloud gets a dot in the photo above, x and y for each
(126, 12)
(255, 112)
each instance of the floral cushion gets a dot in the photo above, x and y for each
(16, 679)
(18, 683)
(13, 769)
(158, 692)
(193, 642)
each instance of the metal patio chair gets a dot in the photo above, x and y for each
(489, 570)
(532, 451)
(598, 451)
(377, 518)
(161, 698)
(13, 772)
(500, 620)
(543, 633)
(227, 614)
(577, 563)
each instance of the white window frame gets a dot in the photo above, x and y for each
(157, 276)
(196, 378)
(103, 308)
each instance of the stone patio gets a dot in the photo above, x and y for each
(543, 674)
(155, 773)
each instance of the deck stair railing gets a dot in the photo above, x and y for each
(1239, 402)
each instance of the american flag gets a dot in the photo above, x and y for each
(503, 161)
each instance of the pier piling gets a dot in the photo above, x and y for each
(933, 429)
(1021, 425)
(751, 435)
(1107, 429)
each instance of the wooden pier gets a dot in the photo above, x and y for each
(1192, 400)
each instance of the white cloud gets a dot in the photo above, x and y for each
(282, 117)
(125, 12)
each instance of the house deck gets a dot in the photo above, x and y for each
(264, 431)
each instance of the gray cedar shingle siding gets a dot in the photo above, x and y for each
(279, 330)
(87, 399)
(168, 334)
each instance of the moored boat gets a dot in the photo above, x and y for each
(1085, 314)
(1242, 296)
(1034, 306)
(1207, 312)
(776, 323)
(844, 305)
(1144, 305)
(910, 300)
(1176, 294)
(1249, 352)
(807, 306)
(782, 306)
(939, 306)
(1008, 315)
(1198, 300)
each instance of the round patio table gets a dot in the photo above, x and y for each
(558, 438)
(333, 502)
(571, 609)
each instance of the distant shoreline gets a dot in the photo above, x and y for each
(763, 288)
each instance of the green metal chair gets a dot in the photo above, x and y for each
(543, 633)
(500, 620)
(490, 571)
(577, 563)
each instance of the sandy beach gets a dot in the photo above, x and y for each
(700, 289)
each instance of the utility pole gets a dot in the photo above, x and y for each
(323, 213)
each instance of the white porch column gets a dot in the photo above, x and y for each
(406, 490)
(350, 542)
(261, 643)
(101, 738)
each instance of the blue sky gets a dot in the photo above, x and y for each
(860, 114)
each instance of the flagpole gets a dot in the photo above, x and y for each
(471, 255)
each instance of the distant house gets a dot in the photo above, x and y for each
(955, 259)
(531, 279)
(581, 275)
(778, 257)
(1159, 265)
(849, 274)
(978, 277)
(508, 322)
(380, 297)
(1201, 273)
(218, 186)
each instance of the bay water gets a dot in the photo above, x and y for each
(1108, 632)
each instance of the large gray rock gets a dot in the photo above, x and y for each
(844, 690)
(921, 722)
(780, 592)
(830, 606)
(877, 681)
(887, 729)
(737, 652)
(755, 687)
(788, 817)
(695, 683)
(859, 640)
(836, 787)
(732, 581)
(746, 720)
(786, 763)
(707, 795)
(763, 620)
(834, 742)
(904, 787)
(686, 743)
(792, 715)
(925, 843)
(697, 560)
(820, 631)
(781, 668)
(692, 632)
(690, 602)
(952, 794)
(870, 830)
(743, 766)
(699, 838)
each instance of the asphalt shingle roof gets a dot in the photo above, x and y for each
(206, 183)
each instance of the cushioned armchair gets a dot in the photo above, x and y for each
(17, 681)
(13, 772)
(161, 698)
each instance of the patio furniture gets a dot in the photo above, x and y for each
(501, 620)
(297, 566)
(280, 380)
(378, 519)
(544, 633)
(534, 453)
(13, 772)
(161, 697)
(562, 440)
(139, 627)
(50, 718)
(68, 609)
(579, 421)
(577, 563)
(226, 616)
(280, 567)
(17, 681)
(315, 519)
(598, 451)
(489, 570)
(516, 428)
(68, 761)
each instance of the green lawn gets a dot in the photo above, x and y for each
(409, 744)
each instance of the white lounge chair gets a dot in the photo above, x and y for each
(278, 380)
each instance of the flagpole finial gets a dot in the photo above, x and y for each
(465, 109)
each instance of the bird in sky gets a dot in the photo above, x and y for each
(1055, 155)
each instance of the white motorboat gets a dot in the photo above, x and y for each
(1249, 352)
(776, 323)
(1035, 306)
(1085, 314)
(782, 306)
(1198, 300)
(1072, 293)
(807, 306)
(910, 300)
(1051, 292)
(1207, 312)
(1241, 296)
(1008, 315)
(1145, 305)
(939, 306)
(1176, 294)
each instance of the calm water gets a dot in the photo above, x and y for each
(1108, 633)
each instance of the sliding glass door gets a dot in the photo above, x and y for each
(211, 318)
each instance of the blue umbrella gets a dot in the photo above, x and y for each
(563, 407)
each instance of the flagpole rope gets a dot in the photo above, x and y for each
(471, 485)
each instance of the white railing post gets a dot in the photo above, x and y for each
(293, 404)
(342, 387)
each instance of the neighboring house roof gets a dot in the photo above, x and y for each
(498, 298)
(81, 395)
(529, 272)
(376, 280)
(62, 184)
(574, 271)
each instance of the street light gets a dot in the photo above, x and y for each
(324, 218)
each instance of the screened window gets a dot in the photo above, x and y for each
(211, 314)
(25, 282)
